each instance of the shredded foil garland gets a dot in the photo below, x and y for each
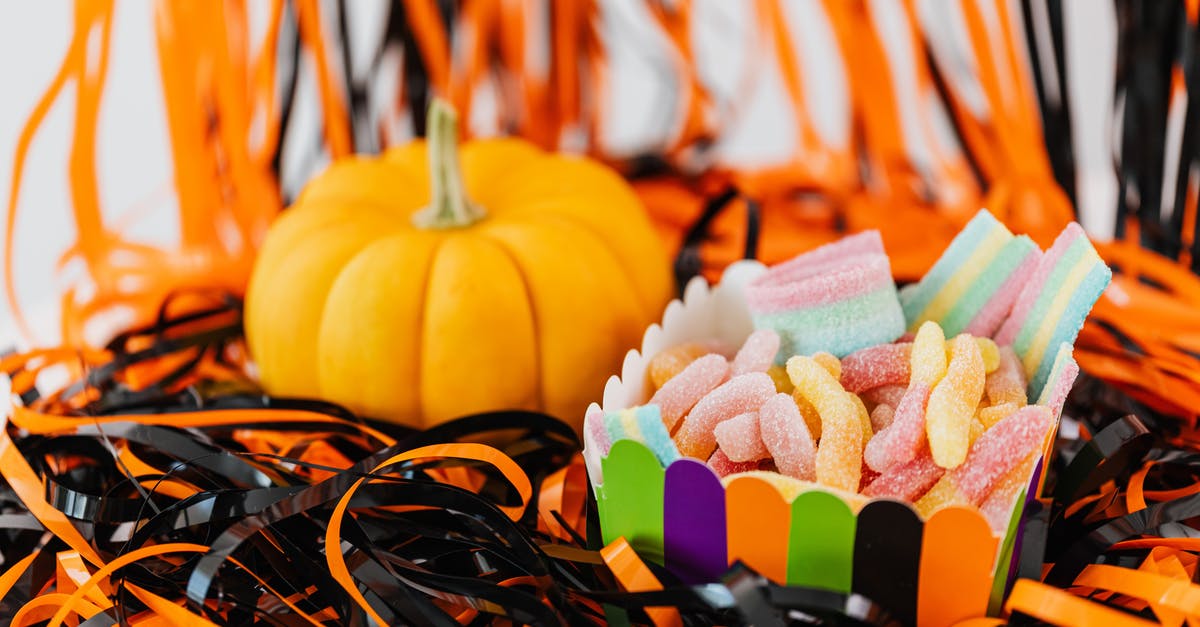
(150, 481)
(158, 485)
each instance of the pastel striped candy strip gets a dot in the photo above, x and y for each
(1058, 384)
(643, 424)
(1054, 303)
(838, 298)
(975, 282)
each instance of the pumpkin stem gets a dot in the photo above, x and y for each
(449, 206)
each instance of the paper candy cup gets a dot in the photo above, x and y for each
(933, 572)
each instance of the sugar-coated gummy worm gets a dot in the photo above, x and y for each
(757, 353)
(952, 403)
(741, 439)
(739, 395)
(876, 366)
(678, 395)
(839, 453)
(787, 437)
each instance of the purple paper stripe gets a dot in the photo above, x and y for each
(694, 543)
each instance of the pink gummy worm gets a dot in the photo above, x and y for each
(741, 438)
(875, 366)
(834, 283)
(786, 436)
(908, 481)
(992, 314)
(681, 392)
(757, 353)
(903, 439)
(739, 395)
(999, 450)
(1034, 286)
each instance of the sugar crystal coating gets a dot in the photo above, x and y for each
(642, 424)
(908, 481)
(594, 424)
(741, 438)
(831, 364)
(876, 366)
(997, 508)
(1007, 383)
(864, 416)
(989, 416)
(882, 416)
(778, 374)
(942, 494)
(886, 395)
(787, 437)
(1059, 383)
(993, 455)
(900, 442)
(990, 353)
(671, 361)
(952, 403)
(739, 395)
(839, 453)
(928, 355)
(678, 395)
(757, 353)
(977, 429)
(808, 413)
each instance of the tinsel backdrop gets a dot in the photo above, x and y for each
(148, 479)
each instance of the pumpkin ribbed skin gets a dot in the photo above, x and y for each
(532, 307)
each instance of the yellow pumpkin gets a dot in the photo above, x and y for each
(433, 282)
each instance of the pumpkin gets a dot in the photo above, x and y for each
(440, 280)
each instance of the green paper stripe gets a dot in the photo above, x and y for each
(633, 498)
(1000, 580)
(821, 542)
